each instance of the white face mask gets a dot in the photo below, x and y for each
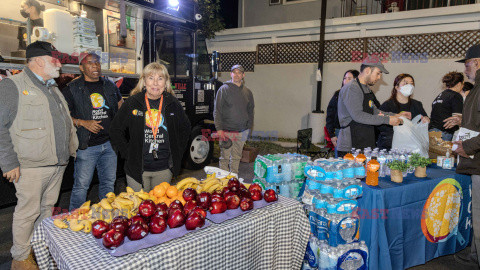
(407, 90)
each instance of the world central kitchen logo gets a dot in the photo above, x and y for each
(395, 56)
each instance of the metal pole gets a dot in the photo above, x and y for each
(321, 51)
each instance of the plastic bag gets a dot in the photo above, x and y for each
(412, 135)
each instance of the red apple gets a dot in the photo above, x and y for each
(218, 192)
(242, 186)
(225, 190)
(189, 194)
(246, 204)
(147, 208)
(157, 225)
(256, 195)
(243, 193)
(233, 182)
(161, 206)
(99, 228)
(254, 187)
(120, 223)
(218, 207)
(136, 219)
(113, 239)
(270, 195)
(200, 211)
(194, 220)
(162, 211)
(232, 200)
(204, 200)
(176, 218)
(176, 205)
(137, 231)
(189, 206)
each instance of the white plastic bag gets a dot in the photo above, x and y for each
(412, 135)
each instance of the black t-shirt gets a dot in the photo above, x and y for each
(443, 107)
(163, 144)
(415, 107)
(100, 112)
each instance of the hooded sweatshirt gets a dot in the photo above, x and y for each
(234, 108)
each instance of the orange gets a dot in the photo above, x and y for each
(151, 193)
(161, 199)
(180, 198)
(159, 191)
(168, 201)
(172, 191)
(165, 185)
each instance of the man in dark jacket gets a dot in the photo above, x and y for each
(93, 102)
(469, 149)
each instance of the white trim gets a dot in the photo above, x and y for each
(298, 2)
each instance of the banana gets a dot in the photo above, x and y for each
(136, 200)
(183, 182)
(87, 226)
(124, 201)
(116, 205)
(60, 223)
(213, 188)
(85, 205)
(130, 190)
(208, 185)
(75, 225)
(105, 204)
(110, 195)
(142, 195)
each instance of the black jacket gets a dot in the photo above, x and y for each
(386, 131)
(80, 105)
(128, 127)
(332, 115)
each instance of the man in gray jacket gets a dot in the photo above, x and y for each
(233, 115)
(37, 137)
(357, 112)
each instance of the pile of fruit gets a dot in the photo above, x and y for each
(136, 214)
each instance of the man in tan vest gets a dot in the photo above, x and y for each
(37, 137)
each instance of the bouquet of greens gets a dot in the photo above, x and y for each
(398, 165)
(416, 160)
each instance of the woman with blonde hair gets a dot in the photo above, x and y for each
(151, 130)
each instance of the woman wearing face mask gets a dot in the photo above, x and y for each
(400, 101)
(30, 9)
(333, 126)
(447, 104)
(151, 130)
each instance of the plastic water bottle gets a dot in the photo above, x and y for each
(382, 160)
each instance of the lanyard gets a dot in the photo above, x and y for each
(154, 127)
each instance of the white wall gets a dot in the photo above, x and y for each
(285, 94)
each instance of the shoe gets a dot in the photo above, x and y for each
(23, 265)
(467, 259)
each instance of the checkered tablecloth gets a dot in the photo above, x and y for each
(273, 237)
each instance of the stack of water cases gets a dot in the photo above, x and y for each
(330, 198)
(281, 172)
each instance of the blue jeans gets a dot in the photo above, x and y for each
(104, 159)
(445, 135)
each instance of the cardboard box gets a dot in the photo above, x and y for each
(249, 154)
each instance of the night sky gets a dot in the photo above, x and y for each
(229, 13)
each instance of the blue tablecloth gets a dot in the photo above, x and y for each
(391, 220)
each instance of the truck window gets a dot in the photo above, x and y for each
(183, 42)
(164, 47)
(203, 67)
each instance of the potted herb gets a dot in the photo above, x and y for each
(420, 164)
(397, 168)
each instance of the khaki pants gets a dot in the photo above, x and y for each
(150, 180)
(230, 158)
(37, 192)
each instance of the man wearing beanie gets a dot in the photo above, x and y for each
(37, 137)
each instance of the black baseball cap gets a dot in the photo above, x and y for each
(41, 48)
(472, 52)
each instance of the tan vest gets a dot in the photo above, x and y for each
(32, 131)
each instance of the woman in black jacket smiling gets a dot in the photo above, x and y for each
(151, 143)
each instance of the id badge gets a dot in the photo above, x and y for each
(153, 147)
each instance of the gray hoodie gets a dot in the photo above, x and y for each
(234, 108)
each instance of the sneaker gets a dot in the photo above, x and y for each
(466, 259)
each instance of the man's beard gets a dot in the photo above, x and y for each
(51, 70)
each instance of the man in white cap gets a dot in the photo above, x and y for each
(469, 150)
(233, 115)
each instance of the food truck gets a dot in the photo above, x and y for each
(127, 34)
